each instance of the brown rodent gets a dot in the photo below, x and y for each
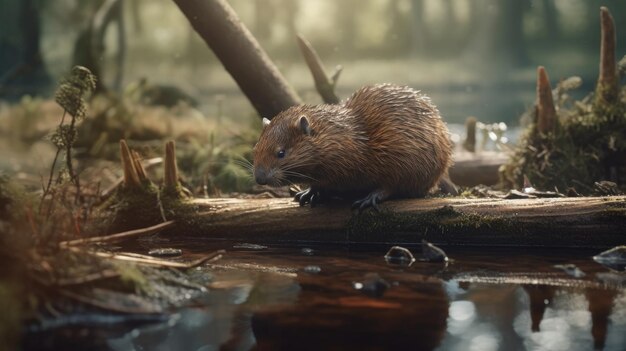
(387, 141)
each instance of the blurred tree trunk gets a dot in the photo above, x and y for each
(551, 20)
(135, 12)
(498, 35)
(449, 23)
(419, 30)
(399, 32)
(511, 39)
(121, 46)
(473, 23)
(242, 56)
(89, 47)
(346, 23)
(24, 71)
(31, 29)
(287, 19)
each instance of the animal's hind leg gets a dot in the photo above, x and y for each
(372, 200)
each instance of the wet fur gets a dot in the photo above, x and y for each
(383, 138)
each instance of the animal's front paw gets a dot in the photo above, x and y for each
(308, 196)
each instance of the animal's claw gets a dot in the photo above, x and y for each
(308, 196)
(372, 200)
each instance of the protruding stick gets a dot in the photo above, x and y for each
(131, 178)
(141, 172)
(171, 171)
(324, 85)
(607, 91)
(546, 113)
(470, 139)
(335, 76)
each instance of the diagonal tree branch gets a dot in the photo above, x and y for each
(242, 56)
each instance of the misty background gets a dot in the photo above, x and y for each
(473, 57)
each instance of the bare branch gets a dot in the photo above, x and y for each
(607, 90)
(324, 85)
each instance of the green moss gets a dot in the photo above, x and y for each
(435, 224)
(142, 207)
(133, 277)
(131, 208)
(583, 148)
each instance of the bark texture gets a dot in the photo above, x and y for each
(242, 56)
(554, 222)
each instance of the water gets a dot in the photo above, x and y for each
(268, 299)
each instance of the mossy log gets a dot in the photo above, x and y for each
(555, 222)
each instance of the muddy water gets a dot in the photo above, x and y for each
(342, 298)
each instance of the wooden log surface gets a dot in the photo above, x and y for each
(555, 222)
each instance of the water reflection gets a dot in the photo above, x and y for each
(266, 301)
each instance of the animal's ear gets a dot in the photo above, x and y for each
(304, 125)
(266, 122)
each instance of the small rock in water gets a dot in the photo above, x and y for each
(399, 255)
(307, 251)
(248, 246)
(614, 258)
(571, 269)
(372, 285)
(312, 269)
(165, 252)
(432, 253)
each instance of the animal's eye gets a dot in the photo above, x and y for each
(280, 154)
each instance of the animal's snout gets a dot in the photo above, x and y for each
(260, 175)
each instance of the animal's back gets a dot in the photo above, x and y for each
(408, 142)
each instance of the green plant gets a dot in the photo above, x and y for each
(69, 95)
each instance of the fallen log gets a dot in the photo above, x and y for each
(554, 222)
(471, 169)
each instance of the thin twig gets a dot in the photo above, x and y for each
(89, 278)
(54, 162)
(68, 159)
(119, 236)
(132, 257)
